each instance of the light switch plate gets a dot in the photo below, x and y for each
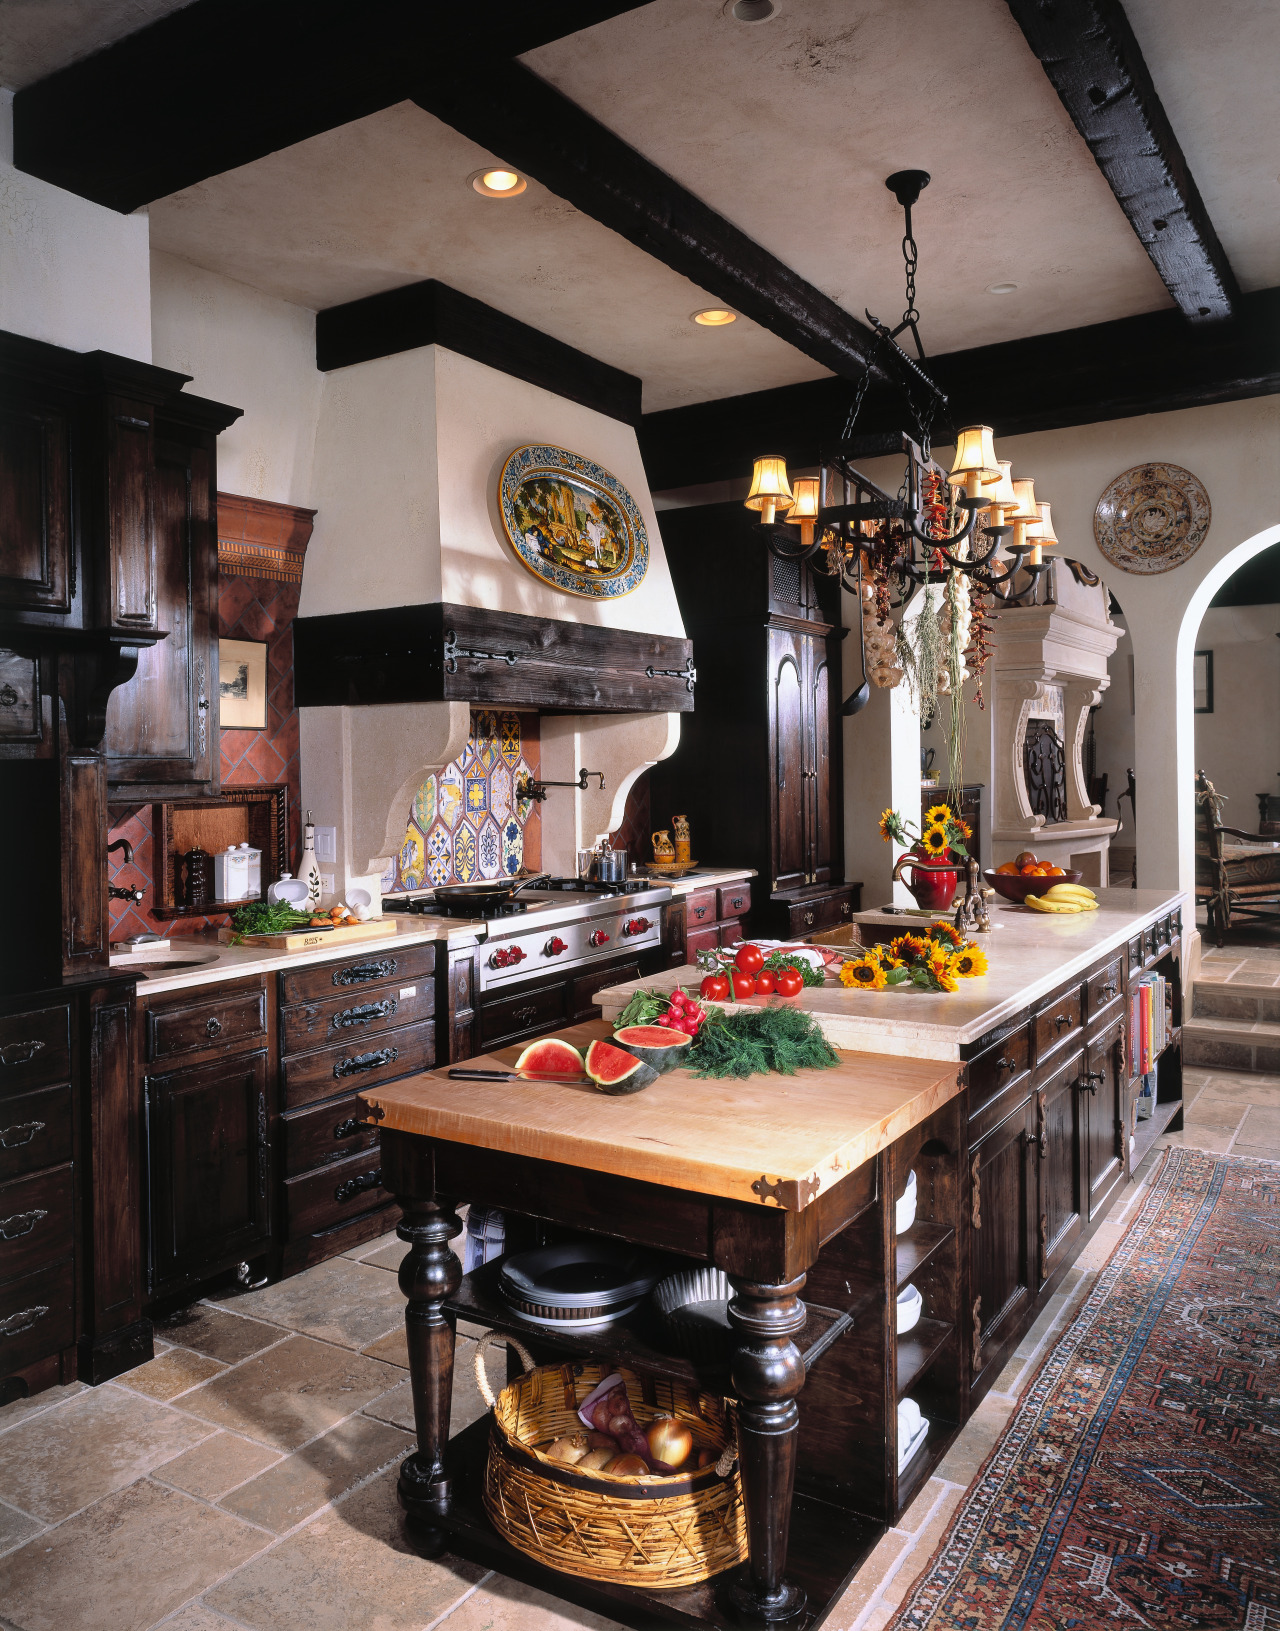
(326, 843)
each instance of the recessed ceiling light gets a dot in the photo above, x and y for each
(498, 182)
(1001, 288)
(752, 11)
(715, 317)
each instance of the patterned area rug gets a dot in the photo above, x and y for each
(1138, 1481)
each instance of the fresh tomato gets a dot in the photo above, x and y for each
(715, 988)
(743, 985)
(765, 982)
(749, 959)
(790, 982)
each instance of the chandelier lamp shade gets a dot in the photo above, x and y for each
(770, 490)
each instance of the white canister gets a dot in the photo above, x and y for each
(231, 874)
(254, 879)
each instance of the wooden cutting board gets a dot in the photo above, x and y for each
(304, 939)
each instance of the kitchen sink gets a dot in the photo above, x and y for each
(163, 962)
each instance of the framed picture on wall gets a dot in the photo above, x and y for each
(242, 685)
(1204, 682)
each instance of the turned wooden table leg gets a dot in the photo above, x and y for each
(767, 1373)
(429, 1274)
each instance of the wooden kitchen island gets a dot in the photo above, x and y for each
(785, 1183)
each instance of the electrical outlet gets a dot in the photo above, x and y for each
(326, 843)
(326, 884)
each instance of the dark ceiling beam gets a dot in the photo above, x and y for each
(1135, 365)
(223, 82)
(530, 125)
(1095, 64)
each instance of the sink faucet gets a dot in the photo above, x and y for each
(114, 892)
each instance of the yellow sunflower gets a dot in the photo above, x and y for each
(886, 825)
(965, 829)
(938, 816)
(934, 841)
(941, 967)
(907, 948)
(969, 961)
(947, 931)
(863, 973)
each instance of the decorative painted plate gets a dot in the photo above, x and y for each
(1152, 518)
(571, 523)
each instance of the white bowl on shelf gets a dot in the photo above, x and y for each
(910, 1308)
(904, 1208)
(912, 1432)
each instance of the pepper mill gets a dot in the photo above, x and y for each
(197, 882)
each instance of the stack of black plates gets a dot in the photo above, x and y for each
(577, 1286)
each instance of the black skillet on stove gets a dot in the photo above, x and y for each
(485, 894)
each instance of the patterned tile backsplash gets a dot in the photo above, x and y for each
(466, 822)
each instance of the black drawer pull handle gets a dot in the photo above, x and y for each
(1005, 1063)
(365, 1013)
(700, 911)
(362, 973)
(365, 1061)
(1085, 1083)
(350, 1127)
(213, 1027)
(736, 904)
(1059, 1020)
(808, 918)
(526, 1015)
(21, 1223)
(23, 1320)
(1110, 990)
(13, 1138)
(20, 1053)
(354, 1186)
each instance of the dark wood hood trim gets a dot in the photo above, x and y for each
(405, 654)
(431, 313)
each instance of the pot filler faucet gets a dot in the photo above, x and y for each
(528, 788)
(114, 892)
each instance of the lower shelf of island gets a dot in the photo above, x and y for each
(1146, 1132)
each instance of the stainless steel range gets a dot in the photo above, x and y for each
(560, 924)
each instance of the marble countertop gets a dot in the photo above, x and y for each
(707, 878)
(1028, 956)
(219, 962)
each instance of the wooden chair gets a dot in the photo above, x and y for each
(1247, 885)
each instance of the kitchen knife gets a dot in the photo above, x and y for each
(515, 1076)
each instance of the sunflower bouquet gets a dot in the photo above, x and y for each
(942, 835)
(936, 961)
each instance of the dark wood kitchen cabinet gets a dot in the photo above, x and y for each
(1002, 1283)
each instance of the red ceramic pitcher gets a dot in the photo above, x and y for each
(933, 883)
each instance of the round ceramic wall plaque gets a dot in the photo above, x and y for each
(1152, 518)
(572, 523)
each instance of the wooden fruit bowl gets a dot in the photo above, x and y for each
(1012, 886)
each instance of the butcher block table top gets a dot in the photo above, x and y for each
(777, 1140)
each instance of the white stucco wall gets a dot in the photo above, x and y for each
(408, 456)
(256, 353)
(71, 272)
(1238, 744)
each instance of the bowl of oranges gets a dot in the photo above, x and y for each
(1025, 875)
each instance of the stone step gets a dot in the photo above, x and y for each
(1232, 1044)
(1216, 999)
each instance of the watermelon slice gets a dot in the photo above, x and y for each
(614, 1071)
(550, 1056)
(657, 1045)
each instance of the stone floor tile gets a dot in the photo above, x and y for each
(217, 1465)
(176, 1370)
(1257, 1152)
(396, 1405)
(1210, 1115)
(878, 1618)
(864, 1585)
(1242, 1087)
(339, 1301)
(124, 1563)
(52, 1465)
(16, 1527)
(367, 1248)
(387, 1253)
(349, 1567)
(218, 1334)
(392, 1349)
(917, 1514)
(290, 1393)
(196, 1617)
(975, 1441)
(20, 1409)
(280, 1498)
(927, 1537)
(1197, 1138)
(499, 1604)
(1262, 1125)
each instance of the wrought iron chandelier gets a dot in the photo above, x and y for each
(975, 519)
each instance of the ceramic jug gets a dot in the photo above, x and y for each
(684, 846)
(663, 848)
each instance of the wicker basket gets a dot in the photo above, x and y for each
(652, 1532)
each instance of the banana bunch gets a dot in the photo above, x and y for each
(1064, 897)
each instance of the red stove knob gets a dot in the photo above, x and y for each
(636, 925)
(599, 937)
(505, 956)
(555, 946)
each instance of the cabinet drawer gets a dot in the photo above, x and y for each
(326, 1132)
(994, 1072)
(362, 1013)
(35, 1048)
(1105, 987)
(37, 1316)
(819, 912)
(735, 899)
(583, 989)
(701, 908)
(1058, 1024)
(403, 965)
(358, 1062)
(536, 1010)
(697, 940)
(318, 1200)
(196, 1024)
(36, 1222)
(35, 1130)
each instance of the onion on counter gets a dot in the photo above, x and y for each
(599, 1460)
(628, 1466)
(570, 1449)
(669, 1440)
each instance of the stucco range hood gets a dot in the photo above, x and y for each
(452, 653)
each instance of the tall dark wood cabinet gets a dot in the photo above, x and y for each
(758, 769)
